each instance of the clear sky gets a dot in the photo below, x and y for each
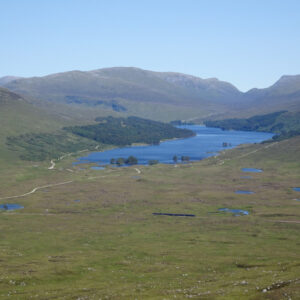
(249, 43)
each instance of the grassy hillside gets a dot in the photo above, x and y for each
(31, 133)
(17, 116)
(96, 236)
(42, 146)
(284, 124)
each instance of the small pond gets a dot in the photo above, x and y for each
(252, 170)
(10, 206)
(244, 192)
(297, 189)
(97, 168)
(236, 212)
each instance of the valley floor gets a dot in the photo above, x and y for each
(97, 238)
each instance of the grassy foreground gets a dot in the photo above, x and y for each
(108, 245)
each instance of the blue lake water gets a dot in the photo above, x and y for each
(244, 192)
(236, 212)
(97, 168)
(207, 142)
(252, 170)
(297, 189)
(10, 206)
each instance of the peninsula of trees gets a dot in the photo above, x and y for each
(126, 131)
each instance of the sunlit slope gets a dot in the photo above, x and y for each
(17, 116)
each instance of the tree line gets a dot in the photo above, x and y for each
(126, 131)
(283, 123)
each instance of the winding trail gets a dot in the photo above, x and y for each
(37, 188)
(254, 151)
(103, 176)
(283, 221)
(52, 165)
(68, 154)
(247, 154)
(138, 170)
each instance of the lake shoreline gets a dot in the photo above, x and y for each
(206, 142)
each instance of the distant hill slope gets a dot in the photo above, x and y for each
(131, 91)
(6, 79)
(211, 89)
(283, 94)
(131, 84)
(155, 95)
(18, 116)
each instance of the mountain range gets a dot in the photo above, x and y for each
(162, 96)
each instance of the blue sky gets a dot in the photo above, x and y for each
(248, 43)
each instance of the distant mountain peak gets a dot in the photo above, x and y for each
(6, 79)
(288, 78)
(286, 84)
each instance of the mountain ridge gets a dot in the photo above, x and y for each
(135, 91)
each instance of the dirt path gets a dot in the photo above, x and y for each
(247, 154)
(68, 154)
(52, 165)
(103, 176)
(254, 151)
(283, 221)
(138, 170)
(37, 188)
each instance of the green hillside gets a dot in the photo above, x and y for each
(17, 116)
(31, 133)
(284, 124)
